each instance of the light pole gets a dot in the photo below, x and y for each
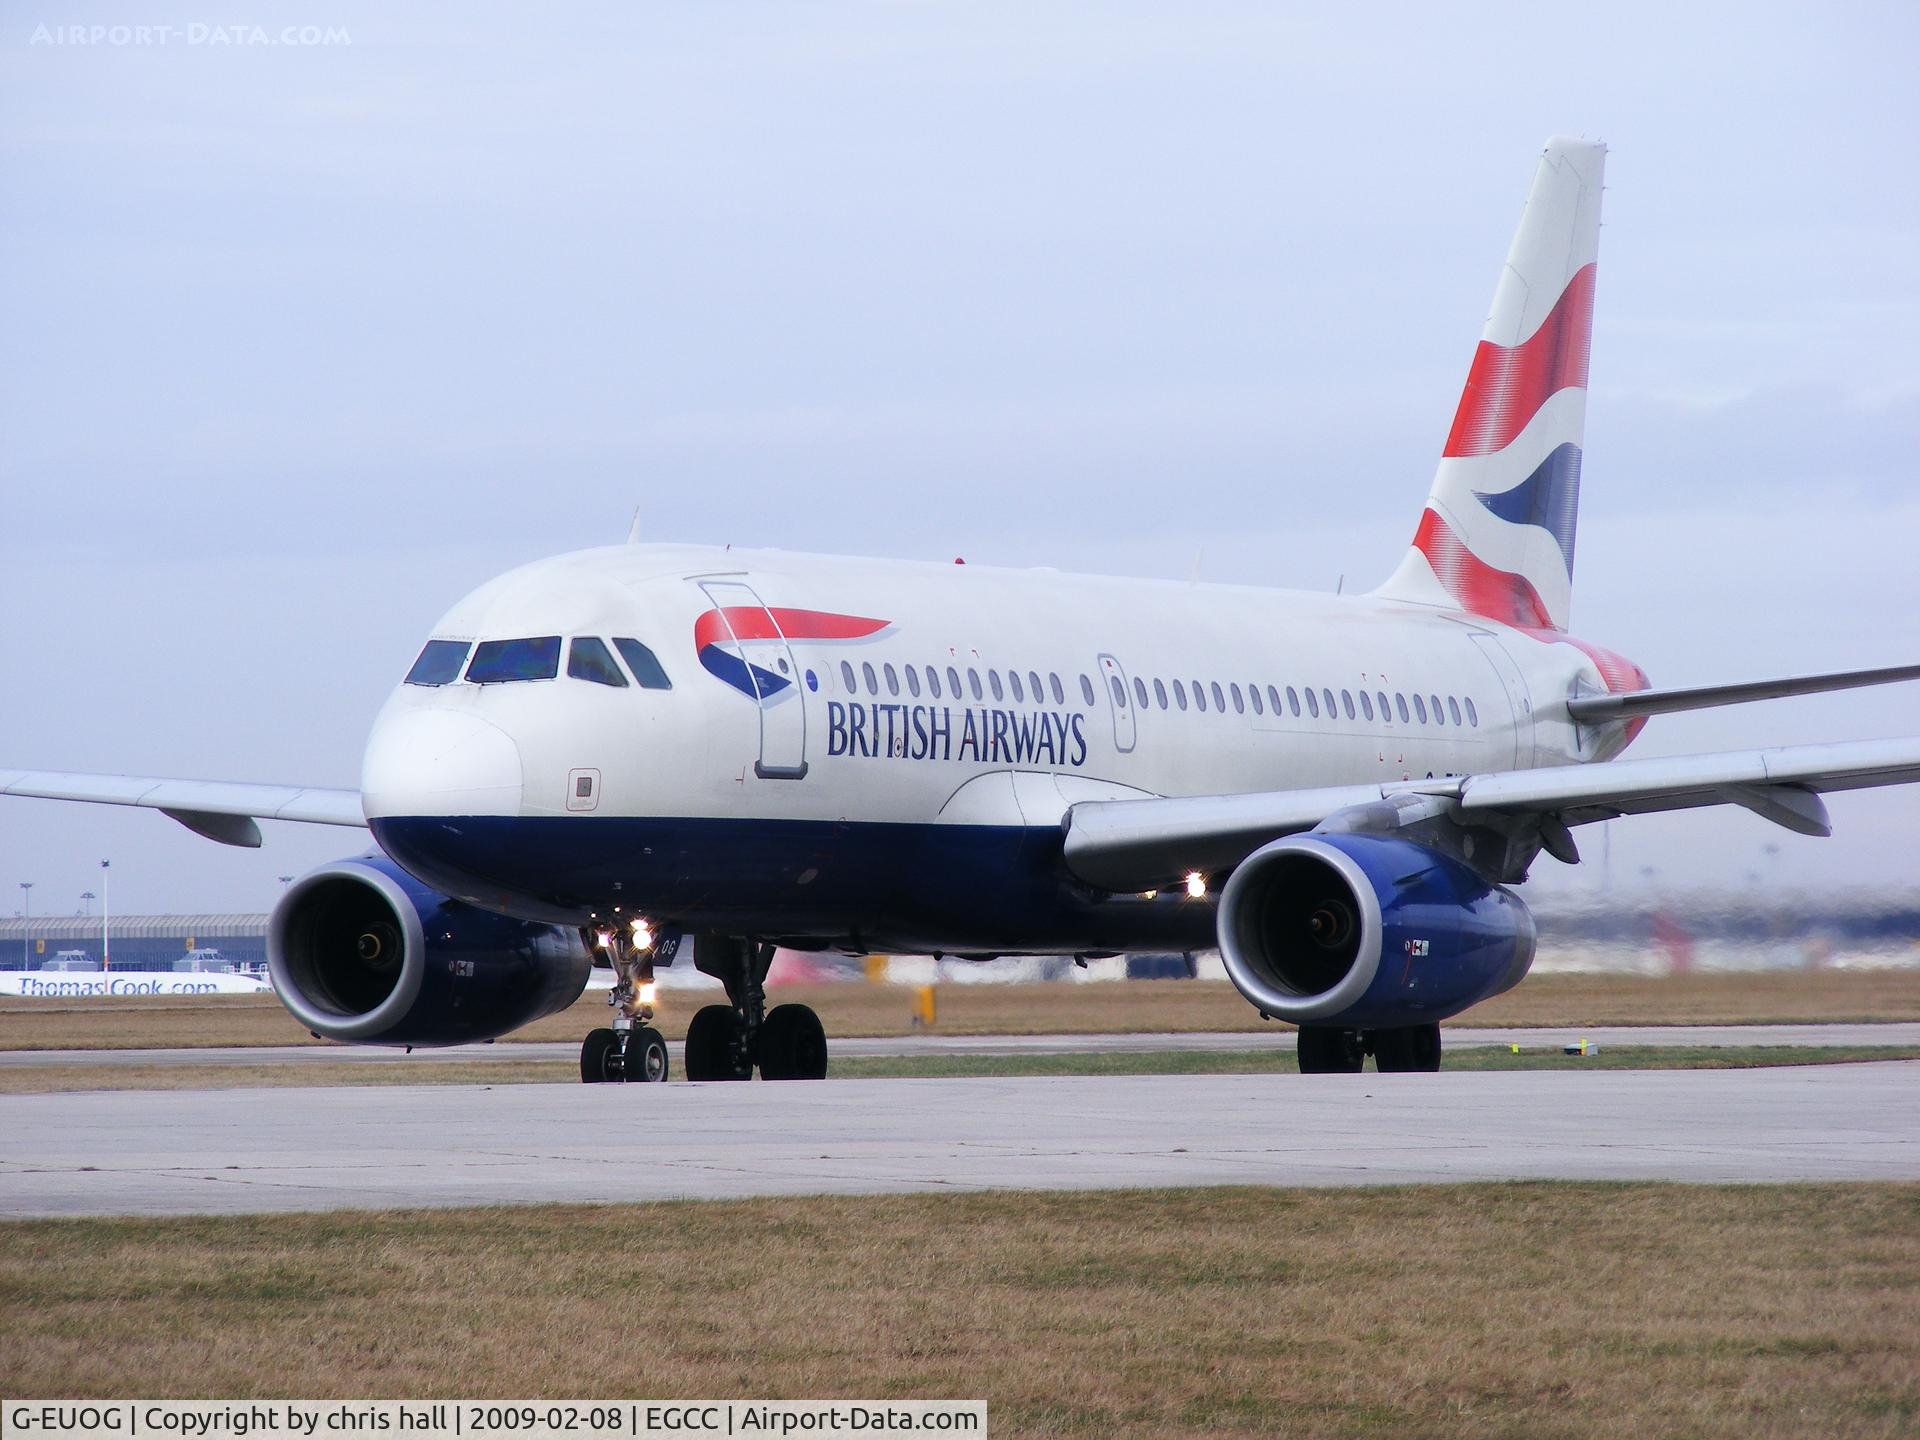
(106, 948)
(87, 898)
(26, 915)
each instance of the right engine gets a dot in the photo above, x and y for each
(1368, 931)
(359, 950)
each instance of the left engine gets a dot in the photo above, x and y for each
(1366, 930)
(359, 950)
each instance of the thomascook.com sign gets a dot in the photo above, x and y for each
(488, 1419)
(66, 985)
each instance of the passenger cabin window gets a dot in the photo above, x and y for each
(1473, 717)
(1160, 693)
(1033, 682)
(933, 682)
(1313, 706)
(893, 678)
(499, 662)
(993, 679)
(1453, 709)
(973, 683)
(1400, 705)
(439, 663)
(913, 682)
(1139, 692)
(643, 663)
(1180, 694)
(1059, 691)
(1013, 683)
(1419, 708)
(866, 674)
(1219, 700)
(1199, 697)
(1433, 702)
(953, 682)
(1086, 688)
(1293, 699)
(1366, 705)
(589, 659)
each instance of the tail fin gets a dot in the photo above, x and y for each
(1496, 538)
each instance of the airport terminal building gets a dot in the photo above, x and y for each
(140, 942)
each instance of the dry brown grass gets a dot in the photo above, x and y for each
(1132, 1006)
(1564, 1310)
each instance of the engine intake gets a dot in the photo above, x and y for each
(1368, 930)
(359, 950)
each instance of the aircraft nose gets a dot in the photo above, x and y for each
(439, 762)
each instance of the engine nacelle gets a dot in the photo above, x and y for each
(1368, 931)
(359, 950)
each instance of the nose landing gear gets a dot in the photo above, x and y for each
(725, 1042)
(631, 1049)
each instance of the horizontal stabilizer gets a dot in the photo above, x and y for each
(1599, 709)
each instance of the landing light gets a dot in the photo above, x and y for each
(647, 992)
(605, 938)
(1196, 885)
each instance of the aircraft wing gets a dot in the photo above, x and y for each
(1145, 844)
(217, 809)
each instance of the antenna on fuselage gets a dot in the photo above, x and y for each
(633, 530)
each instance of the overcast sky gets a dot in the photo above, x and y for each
(302, 341)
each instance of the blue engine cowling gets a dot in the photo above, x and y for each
(359, 950)
(1368, 931)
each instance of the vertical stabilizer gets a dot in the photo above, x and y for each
(1496, 538)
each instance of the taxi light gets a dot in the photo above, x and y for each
(647, 992)
(642, 934)
(1196, 885)
(605, 939)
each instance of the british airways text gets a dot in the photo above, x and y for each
(931, 732)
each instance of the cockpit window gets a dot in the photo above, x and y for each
(646, 669)
(439, 663)
(495, 662)
(589, 659)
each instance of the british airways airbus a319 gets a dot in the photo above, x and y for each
(688, 753)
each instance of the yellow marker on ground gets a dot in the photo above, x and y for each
(923, 1007)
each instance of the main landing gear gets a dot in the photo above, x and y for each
(1329, 1050)
(726, 1042)
(631, 1049)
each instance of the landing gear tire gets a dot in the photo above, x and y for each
(715, 1045)
(600, 1057)
(644, 1061)
(793, 1045)
(1407, 1048)
(1329, 1050)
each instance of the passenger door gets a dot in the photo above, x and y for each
(741, 643)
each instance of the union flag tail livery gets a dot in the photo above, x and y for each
(1496, 538)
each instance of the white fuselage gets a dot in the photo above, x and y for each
(815, 695)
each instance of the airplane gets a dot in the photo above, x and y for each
(627, 748)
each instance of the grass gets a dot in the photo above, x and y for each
(53, 1079)
(1570, 1310)
(1119, 1007)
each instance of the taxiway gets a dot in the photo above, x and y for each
(322, 1148)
